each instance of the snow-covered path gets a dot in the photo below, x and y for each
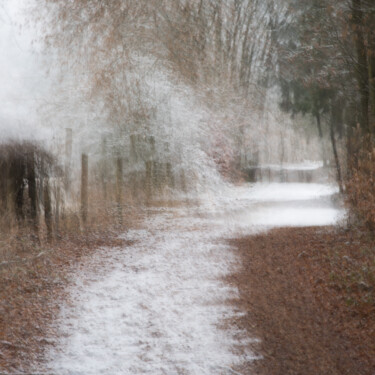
(158, 306)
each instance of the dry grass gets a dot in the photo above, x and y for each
(30, 295)
(308, 295)
(34, 273)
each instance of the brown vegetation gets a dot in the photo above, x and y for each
(43, 236)
(33, 284)
(309, 295)
(360, 192)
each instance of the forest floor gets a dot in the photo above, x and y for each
(309, 296)
(34, 283)
(307, 293)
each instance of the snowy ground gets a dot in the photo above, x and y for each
(306, 166)
(156, 307)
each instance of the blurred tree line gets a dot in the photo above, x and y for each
(326, 68)
(319, 54)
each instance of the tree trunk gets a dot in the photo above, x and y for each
(320, 131)
(334, 118)
(371, 66)
(372, 85)
(362, 64)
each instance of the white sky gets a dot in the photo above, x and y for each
(22, 77)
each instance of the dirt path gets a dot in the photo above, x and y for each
(303, 300)
(152, 307)
(156, 300)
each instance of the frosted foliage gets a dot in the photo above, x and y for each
(191, 133)
(135, 89)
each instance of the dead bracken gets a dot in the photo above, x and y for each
(317, 316)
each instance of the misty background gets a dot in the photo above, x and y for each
(203, 128)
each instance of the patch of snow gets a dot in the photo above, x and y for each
(282, 192)
(306, 166)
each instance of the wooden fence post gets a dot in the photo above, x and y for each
(149, 165)
(47, 210)
(134, 158)
(84, 187)
(119, 182)
(155, 175)
(151, 141)
(31, 181)
(170, 177)
(133, 148)
(58, 203)
(183, 181)
(104, 168)
(68, 155)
